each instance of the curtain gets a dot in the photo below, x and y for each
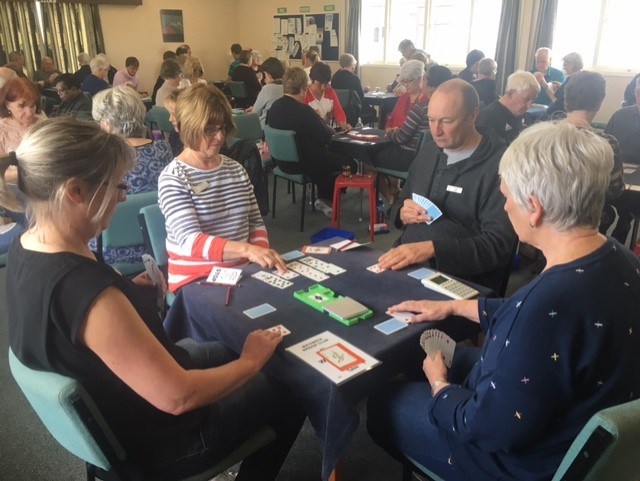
(354, 8)
(546, 23)
(19, 32)
(506, 48)
(69, 29)
(543, 20)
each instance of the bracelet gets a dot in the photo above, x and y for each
(436, 384)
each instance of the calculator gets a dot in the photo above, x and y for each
(449, 287)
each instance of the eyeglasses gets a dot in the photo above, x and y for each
(214, 130)
(59, 91)
(408, 81)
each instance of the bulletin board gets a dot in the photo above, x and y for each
(294, 33)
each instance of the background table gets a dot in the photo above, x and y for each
(199, 312)
(385, 101)
(361, 150)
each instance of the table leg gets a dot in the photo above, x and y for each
(338, 472)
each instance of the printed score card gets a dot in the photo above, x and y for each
(334, 357)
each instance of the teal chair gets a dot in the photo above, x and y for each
(402, 174)
(3, 259)
(248, 127)
(604, 450)
(154, 232)
(157, 118)
(72, 417)
(124, 229)
(283, 148)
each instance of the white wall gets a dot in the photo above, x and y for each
(211, 27)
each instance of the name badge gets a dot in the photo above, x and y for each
(197, 189)
(454, 188)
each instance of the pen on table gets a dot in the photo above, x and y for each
(226, 301)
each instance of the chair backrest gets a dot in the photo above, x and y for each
(343, 97)
(154, 231)
(158, 119)
(282, 144)
(248, 127)
(238, 89)
(69, 414)
(426, 137)
(606, 448)
(124, 229)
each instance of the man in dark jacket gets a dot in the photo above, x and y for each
(458, 172)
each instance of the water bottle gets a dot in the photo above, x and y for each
(359, 124)
(381, 216)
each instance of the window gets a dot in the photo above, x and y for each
(604, 37)
(446, 29)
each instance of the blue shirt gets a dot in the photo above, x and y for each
(562, 348)
(553, 75)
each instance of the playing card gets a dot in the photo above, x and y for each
(260, 310)
(317, 249)
(323, 266)
(272, 279)
(403, 316)
(390, 326)
(289, 256)
(375, 268)
(421, 273)
(434, 340)
(432, 210)
(286, 275)
(280, 329)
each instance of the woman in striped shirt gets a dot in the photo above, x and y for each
(211, 214)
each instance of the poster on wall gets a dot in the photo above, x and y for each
(294, 33)
(172, 26)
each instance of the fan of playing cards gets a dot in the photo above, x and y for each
(432, 210)
(434, 340)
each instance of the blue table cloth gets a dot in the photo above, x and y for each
(199, 312)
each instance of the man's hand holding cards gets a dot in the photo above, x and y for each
(432, 210)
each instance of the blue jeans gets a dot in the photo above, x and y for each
(398, 420)
(259, 402)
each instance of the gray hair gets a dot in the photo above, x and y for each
(346, 60)
(521, 81)
(546, 50)
(487, 66)
(84, 58)
(99, 62)
(56, 150)
(411, 70)
(565, 167)
(121, 109)
(575, 60)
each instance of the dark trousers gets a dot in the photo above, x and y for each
(230, 421)
(398, 420)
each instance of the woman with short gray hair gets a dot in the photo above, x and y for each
(571, 64)
(119, 110)
(410, 78)
(97, 79)
(560, 349)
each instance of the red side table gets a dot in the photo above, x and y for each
(359, 181)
